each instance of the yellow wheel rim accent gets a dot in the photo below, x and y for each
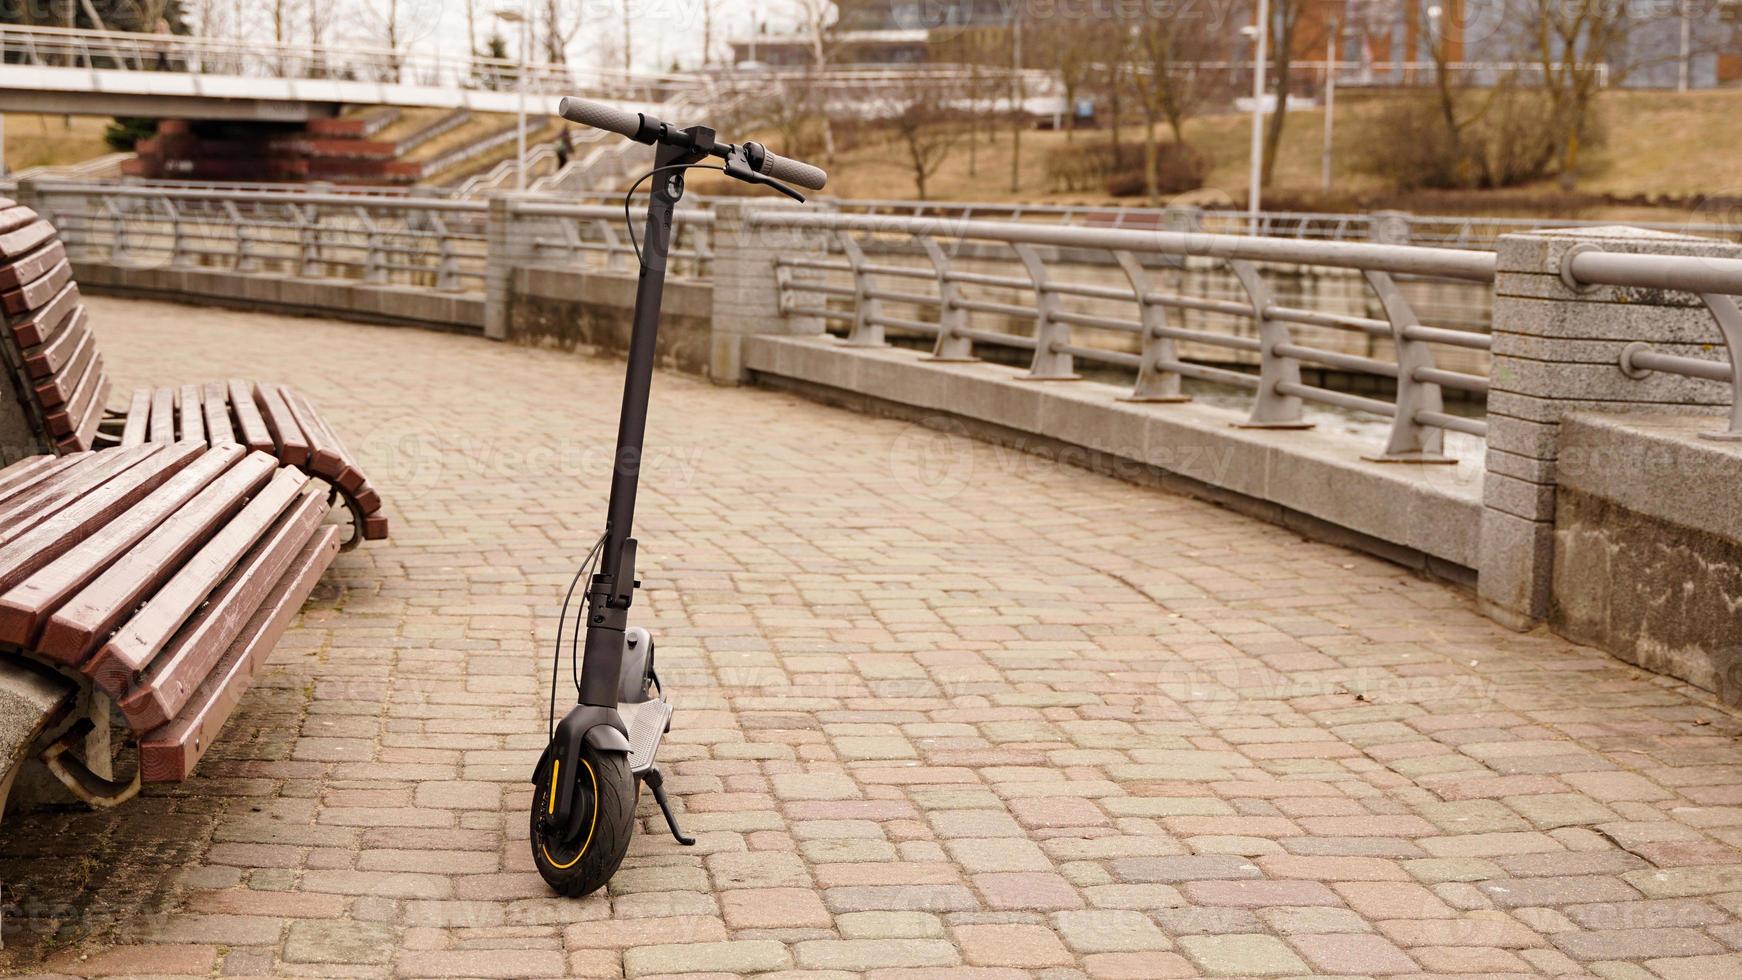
(593, 822)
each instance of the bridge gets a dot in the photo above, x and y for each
(1153, 609)
(114, 73)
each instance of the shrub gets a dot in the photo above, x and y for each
(1508, 138)
(1085, 166)
(126, 131)
(1179, 167)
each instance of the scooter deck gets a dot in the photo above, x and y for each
(647, 722)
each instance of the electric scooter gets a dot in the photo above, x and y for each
(603, 751)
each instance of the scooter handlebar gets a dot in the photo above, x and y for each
(599, 116)
(792, 171)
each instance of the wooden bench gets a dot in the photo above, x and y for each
(158, 576)
(59, 380)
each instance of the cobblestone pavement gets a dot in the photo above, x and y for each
(943, 709)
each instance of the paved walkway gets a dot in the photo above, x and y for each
(941, 706)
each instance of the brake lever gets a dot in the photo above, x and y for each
(739, 167)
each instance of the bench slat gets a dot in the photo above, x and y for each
(55, 495)
(25, 239)
(32, 266)
(14, 216)
(192, 415)
(74, 630)
(63, 420)
(85, 438)
(169, 680)
(170, 753)
(37, 292)
(45, 361)
(324, 458)
(292, 445)
(45, 323)
(27, 551)
(58, 389)
(26, 471)
(43, 482)
(25, 606)
(138, 417)
(117, 665)
(162, 415)
(67, 421)
(255, 434)
(218, 429)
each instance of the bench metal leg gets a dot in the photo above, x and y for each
(79, 779)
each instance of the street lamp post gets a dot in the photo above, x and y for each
(1330, 100)
(1261, 38)
(520, 17)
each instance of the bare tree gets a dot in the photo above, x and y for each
(928, 130)
(818, 18)
(559, 23)
(710, 11)
(1285, 33)
(1169, 84)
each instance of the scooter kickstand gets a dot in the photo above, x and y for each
(656, 782)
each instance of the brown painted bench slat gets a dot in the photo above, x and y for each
(216, 403)
(166, 683)
(58, 388)
(24, 240)
(191, 560)
(75, 630)
(192, 415)
(24, 607)
(45, 361)
(138, 417)
(14, 215)
(43, 324)
(117, 665)
(168, 754)
(162, 416)
(255, 434)
(32, 266)
(33, 294)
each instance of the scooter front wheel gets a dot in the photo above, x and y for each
(605, 797)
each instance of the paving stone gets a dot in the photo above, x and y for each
(312, 941)
(1242, 955)
(744, 956)
(1025, 946)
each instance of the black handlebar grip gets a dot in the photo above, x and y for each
(792, 172)
(599, 116)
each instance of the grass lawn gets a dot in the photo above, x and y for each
(34, 141)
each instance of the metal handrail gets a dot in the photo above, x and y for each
(1042, 325)
(1716, 281)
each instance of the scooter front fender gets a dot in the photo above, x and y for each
(585, 724)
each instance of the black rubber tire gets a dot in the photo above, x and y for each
(606, 793)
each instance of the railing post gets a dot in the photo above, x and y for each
(448, 263)
(176, 239)
(614, 246)
(1050, 363)
(1274, 407)
(1562, 347)
(502, 254)
(866, 332)
(244, 258)
(951, 345)
(1410, 441)
(1155, 383)
(308, 228)
(375, 254)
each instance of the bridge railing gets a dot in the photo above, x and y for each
(57, 47)
(402, 240)
(933, 279)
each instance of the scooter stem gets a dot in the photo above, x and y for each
(612, 590)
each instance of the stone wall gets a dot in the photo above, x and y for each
(1651, 576)
(567, 309)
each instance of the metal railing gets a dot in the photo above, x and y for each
(1056, 317)
(428, 242)
(1717, 282)
(57, 47)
